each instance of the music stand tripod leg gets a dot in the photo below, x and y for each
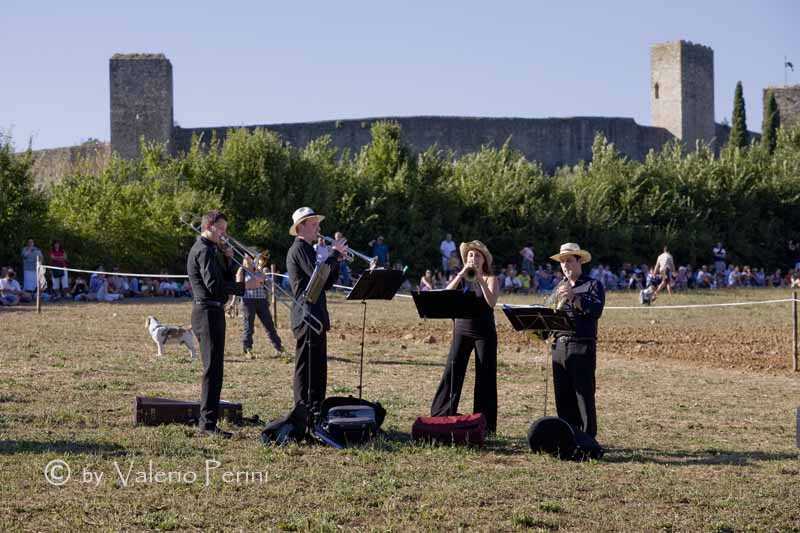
(361, 367)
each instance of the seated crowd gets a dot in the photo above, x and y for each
(98, 287)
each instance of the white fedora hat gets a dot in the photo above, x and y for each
(570, 248)
(300, 215)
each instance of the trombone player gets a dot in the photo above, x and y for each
(212, 281)
(311, 357)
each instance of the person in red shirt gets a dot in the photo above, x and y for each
(58, 258)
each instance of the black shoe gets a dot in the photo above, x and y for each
(214, 432)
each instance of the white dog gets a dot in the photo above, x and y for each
(162, 335)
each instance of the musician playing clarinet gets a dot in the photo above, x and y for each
(478, 334)
(575, 354)
(311, 353)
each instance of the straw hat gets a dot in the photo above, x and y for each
(302, 214)
(477, 245)
(570, 248)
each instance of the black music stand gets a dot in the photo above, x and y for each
(450, 304)
(538, 318)
(376, 284)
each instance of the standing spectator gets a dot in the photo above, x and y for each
(344, 266)
(255, 304)
(794, 254)
(426, 282)
(719, 257)
(453, 265)
(665, 266)
(381, 251)
(322, 250)
(447, 247)
(29, 255)
(10, 291)
(527, 258)
(58, 258)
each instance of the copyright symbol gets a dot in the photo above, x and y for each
(57, 472)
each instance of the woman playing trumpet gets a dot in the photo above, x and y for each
(479, 334)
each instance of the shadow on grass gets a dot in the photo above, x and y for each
(12, 447)
(689, 458)
(409, 363)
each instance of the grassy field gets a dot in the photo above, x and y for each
(696, 409)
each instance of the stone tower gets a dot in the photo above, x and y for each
(141, 101)
(788, 100)
(682, 90)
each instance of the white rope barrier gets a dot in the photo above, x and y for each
(346, 288)
(690, 306)
(182, 276)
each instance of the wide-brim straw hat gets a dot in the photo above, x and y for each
(571, 248)
(301, 215)
(477, 245)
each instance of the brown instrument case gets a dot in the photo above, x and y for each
(152, 411)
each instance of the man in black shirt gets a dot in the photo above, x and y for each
(212, 279)
(311, 354)
(575, 354)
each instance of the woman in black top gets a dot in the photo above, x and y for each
(479, 334)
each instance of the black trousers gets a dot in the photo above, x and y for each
(208, 324)
(258, 307)
(574, 364)
(484, 342)
(310, 367)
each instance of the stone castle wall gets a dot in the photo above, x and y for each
(51, 166)
(788, 100)
(552, 141)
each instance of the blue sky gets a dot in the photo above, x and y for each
(241, 63)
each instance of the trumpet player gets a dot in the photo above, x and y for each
(212, 281)
(311, 357)
(478, 334)
(575, 354)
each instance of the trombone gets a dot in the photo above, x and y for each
(244, 252)
(373, 261)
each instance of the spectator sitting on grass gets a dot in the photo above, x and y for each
(426, 282)
(80, 292)
(10, 290)
(795, 279)
(439, 280)
(776, 279)
(735, 277)
(525, 280)
(165, 286)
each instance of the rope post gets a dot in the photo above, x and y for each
(274, 296)
(794, 331)
(38, 286)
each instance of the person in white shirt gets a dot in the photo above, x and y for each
(10, 290)
(664, 268)
(720, 256)
(447, 247)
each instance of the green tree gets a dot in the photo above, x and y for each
(23, 208)
(770, 124)
(738, 136)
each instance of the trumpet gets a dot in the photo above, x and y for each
(245, 252)
(471, 274)
(373, 261)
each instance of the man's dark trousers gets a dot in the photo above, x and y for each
(208, 324)
(574, 363)
(318, 361)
